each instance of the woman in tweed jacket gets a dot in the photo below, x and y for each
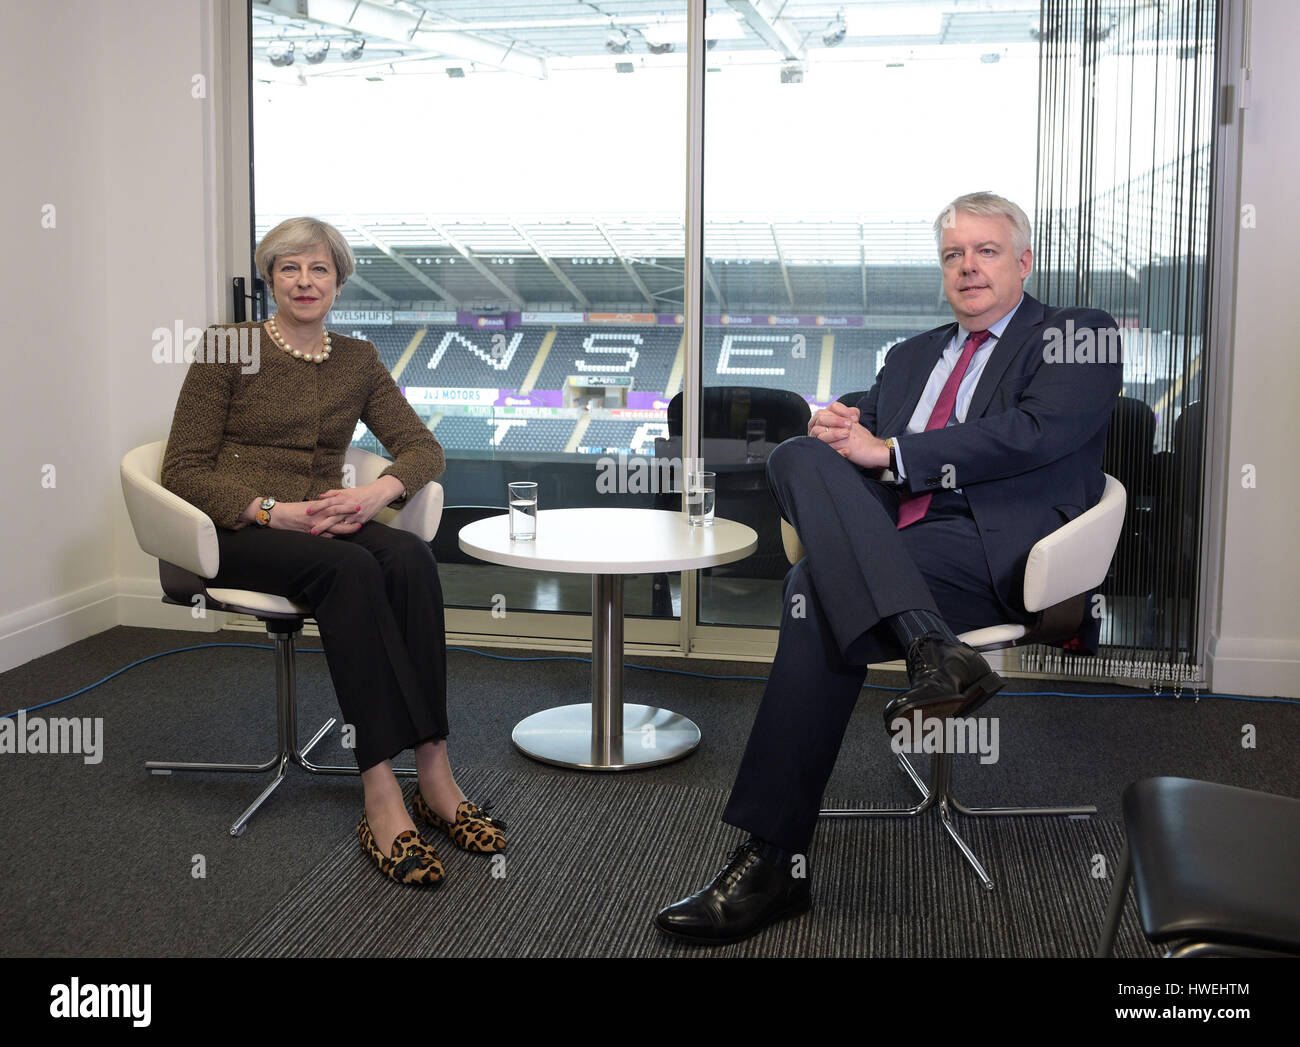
(261, 450)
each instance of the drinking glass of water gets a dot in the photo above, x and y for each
(523, 511)
(700, 489)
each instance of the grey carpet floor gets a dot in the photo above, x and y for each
(107, 860)
(593, 859)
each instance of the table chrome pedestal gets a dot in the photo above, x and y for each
(606, 735)
(608, 544)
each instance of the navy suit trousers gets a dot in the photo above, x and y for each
(859, 569)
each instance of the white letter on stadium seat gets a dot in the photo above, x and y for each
(498, 360)
(622, 343)
(731, 347)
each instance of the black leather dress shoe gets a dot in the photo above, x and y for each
(748, 894)
(948, 679)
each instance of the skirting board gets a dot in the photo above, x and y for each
(44, 627)
(140, 604)
(1265, 666)
(50, 626)
(1236, 665)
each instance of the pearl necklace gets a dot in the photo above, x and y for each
(298, 354)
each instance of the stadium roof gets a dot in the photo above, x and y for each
(632, 261)
(535, 37)
(620, 261)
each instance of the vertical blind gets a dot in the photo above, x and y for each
(1122, 223)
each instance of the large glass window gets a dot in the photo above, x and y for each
(510, 178)
(829, 153)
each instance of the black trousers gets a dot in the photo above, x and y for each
(376, 596)
(859, 569)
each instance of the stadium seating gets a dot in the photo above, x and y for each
(450, 356)
(609, 436)
(645, 353)
(504, 434)
(537, 435)
(391, 341)
(464, 433)
(763, 357)
(859, 355)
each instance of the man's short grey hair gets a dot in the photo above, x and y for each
(987, 205)
(297, 236)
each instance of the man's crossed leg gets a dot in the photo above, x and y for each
(866, 592)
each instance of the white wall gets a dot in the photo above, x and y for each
(163, 230)
(100, 121)
(1254, 645)
(58, 572)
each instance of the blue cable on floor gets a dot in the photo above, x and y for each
(628, 665)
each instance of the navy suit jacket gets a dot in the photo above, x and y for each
(1028, 456)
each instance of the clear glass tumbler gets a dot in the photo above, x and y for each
(700, 490)
(523, 510)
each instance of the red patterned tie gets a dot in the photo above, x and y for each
(915, 506)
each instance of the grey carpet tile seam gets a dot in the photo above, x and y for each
(560, 790)
(533, 919)
(587, 890)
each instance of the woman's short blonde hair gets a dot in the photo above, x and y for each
(298, 235)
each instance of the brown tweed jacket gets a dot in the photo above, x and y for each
(283, 431)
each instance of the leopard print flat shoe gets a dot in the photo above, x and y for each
(473, 830)
(412, 860)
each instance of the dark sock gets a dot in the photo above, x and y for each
(771, 852)
(910, 626)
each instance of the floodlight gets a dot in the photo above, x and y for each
(280, 52)
(315, 51)
(835, 30)
(617, 42)
(351, 48)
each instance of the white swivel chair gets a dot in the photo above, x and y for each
(1062, 569)
(184, 540)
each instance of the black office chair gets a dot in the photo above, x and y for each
(742, 493)
(1176, 520)
(727, 410)
(1214, 869)
(446, 544)
(1128, 457)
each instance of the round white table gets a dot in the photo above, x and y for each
(608, 543)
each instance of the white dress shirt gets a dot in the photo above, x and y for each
(939, 377)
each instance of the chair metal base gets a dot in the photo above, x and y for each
(282, 632)
(939, 795)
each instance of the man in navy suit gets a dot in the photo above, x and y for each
(918, 508)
